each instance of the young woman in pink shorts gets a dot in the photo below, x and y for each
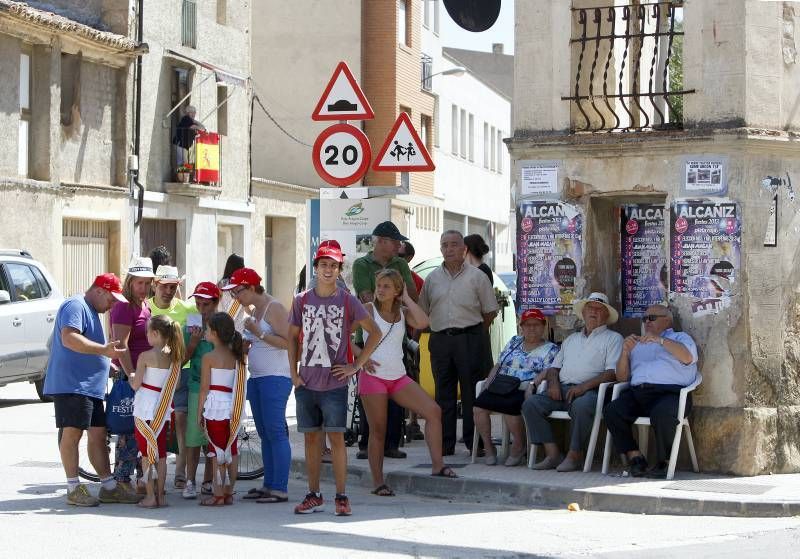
(385, 377)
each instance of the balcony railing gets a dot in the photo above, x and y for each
(427, 72)
(627, 62)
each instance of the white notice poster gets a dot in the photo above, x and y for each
(538, 178)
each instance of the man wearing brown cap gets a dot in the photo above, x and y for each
(386, 239)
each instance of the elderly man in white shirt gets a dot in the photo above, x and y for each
(587, 359)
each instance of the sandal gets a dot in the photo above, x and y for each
(383, 491)
(229, 498)
(180, 481)
(270, 498)
(206, 488)
(213, 502)
(447, 472)
(256, 493)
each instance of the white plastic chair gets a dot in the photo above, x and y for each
(643, 422)
(505, 435)
(598, 413)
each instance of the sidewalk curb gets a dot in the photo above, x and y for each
(533, 495)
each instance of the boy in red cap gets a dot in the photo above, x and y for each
(320, 324)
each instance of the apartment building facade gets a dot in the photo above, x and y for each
(64, 106)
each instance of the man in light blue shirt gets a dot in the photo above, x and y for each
(657, 365)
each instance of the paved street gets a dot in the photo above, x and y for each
(37, 523)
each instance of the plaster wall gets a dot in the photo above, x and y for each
(294, 54)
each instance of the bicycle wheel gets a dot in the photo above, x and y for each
(85, 468)
(251, 463)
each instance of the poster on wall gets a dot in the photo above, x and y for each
(705, 244)
(705, 176)
(549, 255)
(538, 178)
(643, 267)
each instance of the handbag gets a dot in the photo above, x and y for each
(503, 385)
(119, 408)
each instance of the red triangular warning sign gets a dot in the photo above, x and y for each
(342, 98)
(403, 150)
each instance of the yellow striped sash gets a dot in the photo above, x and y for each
(233, 310)
(151, 431)
(237, 406)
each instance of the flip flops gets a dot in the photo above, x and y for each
(272, 499)
(383, 491)
(447, 472)
(256, 493)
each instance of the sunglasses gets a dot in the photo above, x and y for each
(235, 292)
(652, 317)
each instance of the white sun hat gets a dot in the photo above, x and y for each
(597, 297)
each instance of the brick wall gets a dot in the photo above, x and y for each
(391, 79)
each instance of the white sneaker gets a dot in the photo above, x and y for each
(189, 492)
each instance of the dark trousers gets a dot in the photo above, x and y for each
(659, 402)
(395, 416)
(456, 360)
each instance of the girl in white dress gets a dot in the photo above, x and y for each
(155, 380)
(221, 402)
(385, 377)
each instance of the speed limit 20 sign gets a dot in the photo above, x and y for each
(341, 154)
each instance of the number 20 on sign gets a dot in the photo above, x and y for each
(341, 154)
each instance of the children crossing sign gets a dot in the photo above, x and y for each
(403, 150)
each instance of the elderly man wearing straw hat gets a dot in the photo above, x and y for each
(165, 301)
(587, 359)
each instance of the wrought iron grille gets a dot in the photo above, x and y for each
(621, 58)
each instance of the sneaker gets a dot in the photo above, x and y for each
(343, 506)
(189, 492)
(414, 433)
(394, 453)
(638, 466)
(312, 503)
(80, 497)
(118, 495)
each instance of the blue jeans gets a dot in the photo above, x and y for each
(268, 396)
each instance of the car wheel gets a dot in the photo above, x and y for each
(40, 390)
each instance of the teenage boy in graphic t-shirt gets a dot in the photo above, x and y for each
(319, 339)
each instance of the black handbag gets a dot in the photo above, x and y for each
(503, 385)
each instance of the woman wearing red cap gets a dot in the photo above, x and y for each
(525, 357)
(270, 384)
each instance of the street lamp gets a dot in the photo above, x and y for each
(455, 71)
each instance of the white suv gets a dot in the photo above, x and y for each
(29, 301)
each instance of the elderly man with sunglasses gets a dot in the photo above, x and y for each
(657, 365)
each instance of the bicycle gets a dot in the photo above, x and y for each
(251, 463)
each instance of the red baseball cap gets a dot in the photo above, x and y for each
(532, 314)
(329, 250)
(243, 276)
(206, 290)
(110, 283)
(332, 243)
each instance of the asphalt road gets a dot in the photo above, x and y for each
(36, 522)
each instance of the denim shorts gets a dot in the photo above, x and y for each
(181, 399)
(324, 410)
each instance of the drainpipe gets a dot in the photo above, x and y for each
(137, 122)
